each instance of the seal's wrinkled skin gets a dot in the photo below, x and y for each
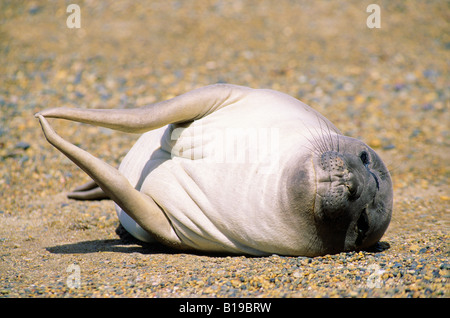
(231, 169)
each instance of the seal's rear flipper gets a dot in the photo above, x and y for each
(184, 108)
(88, 191)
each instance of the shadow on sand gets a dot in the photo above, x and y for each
(128, 244)
(124, 244)
(112, 245)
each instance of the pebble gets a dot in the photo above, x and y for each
(22, 145)
(386, 86)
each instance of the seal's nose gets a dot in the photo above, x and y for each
(352, 184)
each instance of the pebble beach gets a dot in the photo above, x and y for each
(388, 86)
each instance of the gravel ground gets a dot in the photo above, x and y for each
(387, 86)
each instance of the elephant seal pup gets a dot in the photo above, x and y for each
(227, 168)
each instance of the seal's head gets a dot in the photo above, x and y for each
(353, 199)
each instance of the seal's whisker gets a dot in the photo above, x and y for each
(327, 134)
(392, 171)
(331, 137)
(316, 144)
(320, 142)
(313, 143)
(323, 136)
(313, 149)
(320, 134)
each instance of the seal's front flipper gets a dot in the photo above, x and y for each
(140, 207)
(88, 191)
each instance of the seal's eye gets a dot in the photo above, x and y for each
(364, 156)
